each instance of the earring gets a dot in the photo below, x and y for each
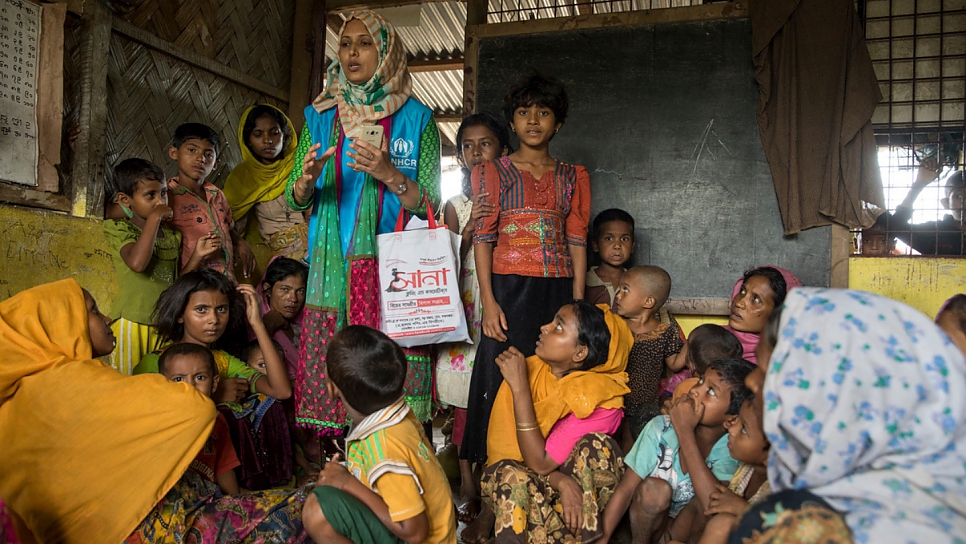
(127, 211)
(556, 130)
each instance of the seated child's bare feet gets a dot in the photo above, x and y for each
(480, 531)
(468, 509)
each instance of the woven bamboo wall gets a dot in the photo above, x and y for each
(151, 92)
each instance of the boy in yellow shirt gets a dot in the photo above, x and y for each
(392, 488)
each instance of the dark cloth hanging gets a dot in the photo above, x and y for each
(817, 93)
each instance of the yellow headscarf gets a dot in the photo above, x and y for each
(251, 182)
(85, 451)
(579, 393)
(378, 98)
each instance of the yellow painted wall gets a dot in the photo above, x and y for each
(690, 322)
(921, 282)
(38, 247)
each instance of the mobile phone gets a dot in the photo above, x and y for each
(372, 135)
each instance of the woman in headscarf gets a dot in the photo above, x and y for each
(255, 188)
(551, 465)
(358, 190)
(76, 469)
(864, 403)
(755, 295)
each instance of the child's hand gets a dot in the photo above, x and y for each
(685, 415)
(311, 168)
(494, 322)
(666, 406)
(514, 368)
(244, 253)
(208, 244)
(334, 474)
(481, 208)
(723, 501)
(161, 212)
(230, 390)
(572, 501)
(928, 172)
(253, 308)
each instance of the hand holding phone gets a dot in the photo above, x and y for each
(372, 135)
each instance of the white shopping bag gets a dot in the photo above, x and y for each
(419, 285)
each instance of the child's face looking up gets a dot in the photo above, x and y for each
(746, 436)
(266, 140)
(558, 345)
(205, 317)
(99, 325)
(196, 159)
(614, 243)
(713, 394)
(192, 370)
(631, 296)
(477, 145)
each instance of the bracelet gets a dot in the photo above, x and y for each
(528, 427)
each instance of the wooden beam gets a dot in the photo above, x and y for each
(321, 23)
(718, 10)
(435, 65)
(187, 56)
(50, 96)
(350, 5)
(14, 193)
(841, 251)
(87, 189)
(448, 117)
(298, 89)
(475, 20)
(698, 306)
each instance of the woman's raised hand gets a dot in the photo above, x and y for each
(312, 165)
(513, 366)
(253, 309)
(365, 157)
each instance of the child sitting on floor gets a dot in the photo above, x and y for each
(680, 457)
(613, 242)
(195, 365)
(392, 487)
(145, 255)
(749, 485)
(952, 320)
(706, 343)
(657, 342)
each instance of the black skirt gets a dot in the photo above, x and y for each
(528, 303)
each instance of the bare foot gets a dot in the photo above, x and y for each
(481, 529)
(468, 509)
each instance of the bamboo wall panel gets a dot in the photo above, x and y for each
(253, 36)
(151, 93)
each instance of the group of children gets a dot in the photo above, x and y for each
(689, 422)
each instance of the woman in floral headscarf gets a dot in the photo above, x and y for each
(358, 190)
(864, 405)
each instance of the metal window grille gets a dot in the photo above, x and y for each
(504, 11)
(918, 50)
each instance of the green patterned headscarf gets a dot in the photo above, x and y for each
(377, 98)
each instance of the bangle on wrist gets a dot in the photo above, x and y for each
(523, 427)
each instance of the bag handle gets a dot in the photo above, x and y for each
(430, 215)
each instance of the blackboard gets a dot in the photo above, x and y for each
(664, 118)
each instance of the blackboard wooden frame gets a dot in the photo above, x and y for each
(840, 239)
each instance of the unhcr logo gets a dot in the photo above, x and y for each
(402, 148)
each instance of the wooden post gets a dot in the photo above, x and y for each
(475, 16)
(302, 48)
(317, 78)
(87, 190)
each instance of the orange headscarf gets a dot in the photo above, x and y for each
(86, 451)
(578, 393)
(387, 90)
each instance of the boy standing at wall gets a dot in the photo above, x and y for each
(200, 207)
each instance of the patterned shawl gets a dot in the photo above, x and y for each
(379, 97)
(251, 182)
(865, 405)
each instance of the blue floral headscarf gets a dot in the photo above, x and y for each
(865, 406)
